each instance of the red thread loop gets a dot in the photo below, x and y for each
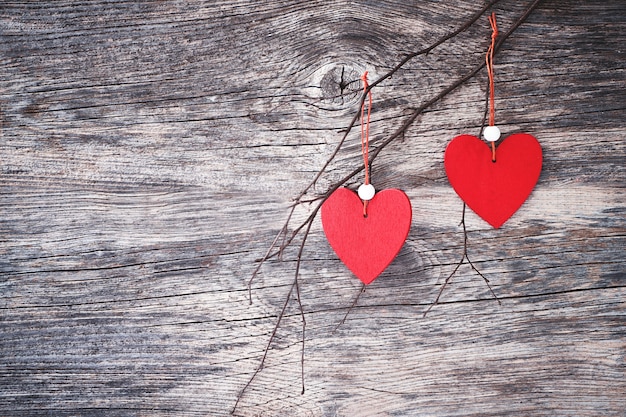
(365, 133)
(365, 128)
(489, 62)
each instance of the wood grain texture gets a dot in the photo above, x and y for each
(149, 154)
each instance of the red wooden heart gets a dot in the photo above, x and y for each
(494, 190)
(366, 245)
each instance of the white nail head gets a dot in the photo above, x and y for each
(491, 133)
(366, 192)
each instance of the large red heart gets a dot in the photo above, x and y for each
(366, 245)
(493, 190)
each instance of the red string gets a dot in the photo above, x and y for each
(489, 62)
(365, 127)
(365, 134)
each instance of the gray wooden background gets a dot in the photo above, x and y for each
(150, 151)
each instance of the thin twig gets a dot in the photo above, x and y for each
(267, 347)
(298, 263)
(458, 265)
(294, 284)
(265, 257)
(313, 214)
(282, 232)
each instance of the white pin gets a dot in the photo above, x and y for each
(366, 192)
(491, 133)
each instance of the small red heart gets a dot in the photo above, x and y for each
(366, 245)
(493, 190)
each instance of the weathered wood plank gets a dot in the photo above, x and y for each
(150, 152)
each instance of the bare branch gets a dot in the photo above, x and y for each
(400, 132)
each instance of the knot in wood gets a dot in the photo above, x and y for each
(341, 85)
